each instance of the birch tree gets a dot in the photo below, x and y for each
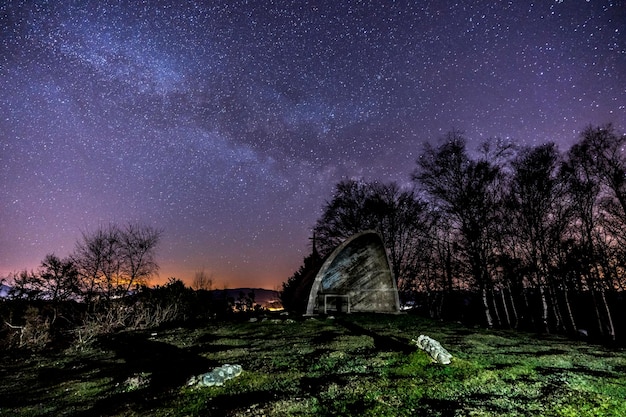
(466, 191)
(588, 192)
(536, 195)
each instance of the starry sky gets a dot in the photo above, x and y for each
(228, 123)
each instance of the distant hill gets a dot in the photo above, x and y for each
(4, 290)
(265, 298)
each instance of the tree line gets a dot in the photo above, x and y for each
(521, 237)
(103, 287)
(107, 263)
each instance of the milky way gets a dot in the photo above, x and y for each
(228, 123)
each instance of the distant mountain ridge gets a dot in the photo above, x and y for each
(261, 296)
(4, 290)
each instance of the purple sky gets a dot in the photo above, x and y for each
(228, 123)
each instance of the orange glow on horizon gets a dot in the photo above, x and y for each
(236, 280)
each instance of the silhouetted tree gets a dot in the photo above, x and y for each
(112, 260)
(406, 226)
(294, 294)
(26, 285)
(539, 218)
(466, 191)
(345, 215)
(590, 198)
(401, 218)
(59, 278)
(137, 249)
(202, 281)
(97, 261)
(603, 151)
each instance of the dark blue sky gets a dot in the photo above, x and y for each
(228, 123)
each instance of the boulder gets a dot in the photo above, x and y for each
(216, 377)
(434, 349)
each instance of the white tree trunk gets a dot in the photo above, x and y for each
(544, 309)
(570, 314)
(609, 316)
(506, 309)
(486, 307)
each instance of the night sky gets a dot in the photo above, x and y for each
(228, 123)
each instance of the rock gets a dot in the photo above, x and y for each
(137, 381)
(434, 349)
(210, 379)
(216, 377)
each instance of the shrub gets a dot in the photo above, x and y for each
(32, 332)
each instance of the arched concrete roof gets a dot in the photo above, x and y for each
(357, 273)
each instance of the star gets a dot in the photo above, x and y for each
(228, 123)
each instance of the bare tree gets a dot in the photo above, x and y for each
(344, 215)
(137, 250)
(98, 261)
(538, 216)
(111, 260)
(202, 281)
(401, 218)
(56, 280)
(59, 278)
(589, 196)
(406, 225)
(601, 152)
(604, 153)
(466, 191)
(25, 285)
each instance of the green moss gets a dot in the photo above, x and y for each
(356, 365)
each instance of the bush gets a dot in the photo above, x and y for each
(35, 334)
(34, 324)
(33, 331)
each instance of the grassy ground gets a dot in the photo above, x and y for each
(361, 365)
